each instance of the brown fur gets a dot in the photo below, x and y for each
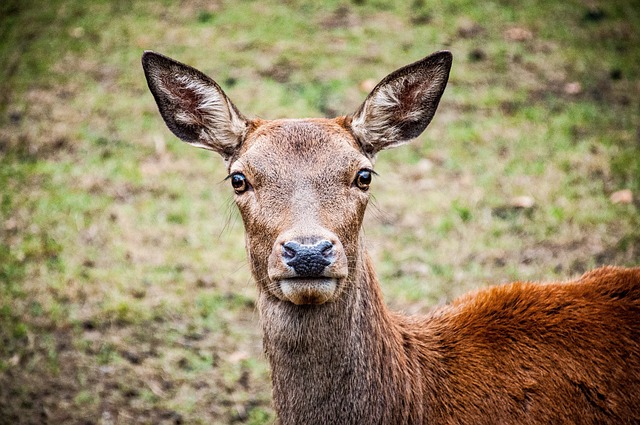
(521, 353)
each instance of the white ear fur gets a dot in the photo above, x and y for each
(401, 106)
(193, 106)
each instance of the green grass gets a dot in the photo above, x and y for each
(123, 279)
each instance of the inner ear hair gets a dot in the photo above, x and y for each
(193, 106)
(402, 105)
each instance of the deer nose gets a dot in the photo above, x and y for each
(308, 260)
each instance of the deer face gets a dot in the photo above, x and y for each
(302, 188)
(301, 185)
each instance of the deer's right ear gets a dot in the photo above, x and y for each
(193, 106)
(401, 106)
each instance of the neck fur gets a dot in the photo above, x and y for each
(340, 362)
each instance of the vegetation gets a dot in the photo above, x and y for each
(124, 292)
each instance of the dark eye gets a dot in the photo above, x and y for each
(239, 183)
(363, 179)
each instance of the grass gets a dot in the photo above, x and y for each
(124, 291)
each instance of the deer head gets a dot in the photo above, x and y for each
(301, 185)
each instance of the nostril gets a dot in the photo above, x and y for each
(290, 250)
(326, 248)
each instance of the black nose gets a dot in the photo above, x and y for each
(308, 260)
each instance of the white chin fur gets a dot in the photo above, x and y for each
(308, 291)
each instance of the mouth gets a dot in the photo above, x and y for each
(303, 291)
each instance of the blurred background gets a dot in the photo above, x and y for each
(125, 296)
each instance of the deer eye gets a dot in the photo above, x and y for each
(239, 183)
(363, 179)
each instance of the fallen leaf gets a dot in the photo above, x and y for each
(469, 29)
(623, 196)
(11, 224)
(15, 360)
(424, 166)
(160, 144)
(238, 356)
(368, 85)
(522, 202)
(518, 34)
(76, 32)
(573, 88)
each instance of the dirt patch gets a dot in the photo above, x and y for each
(342, 17)
(57, 381)
(40, 125)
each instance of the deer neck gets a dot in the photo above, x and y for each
(338, 362)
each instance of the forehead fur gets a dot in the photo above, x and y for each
(300, 141)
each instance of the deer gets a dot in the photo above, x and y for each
(517, 353)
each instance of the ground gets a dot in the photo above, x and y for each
(125, 296)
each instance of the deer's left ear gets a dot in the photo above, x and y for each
(401, 106)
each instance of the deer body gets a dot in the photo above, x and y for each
(522, 353)
(515, 354)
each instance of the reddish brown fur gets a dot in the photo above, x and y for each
(521, 353)
(539, 353)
